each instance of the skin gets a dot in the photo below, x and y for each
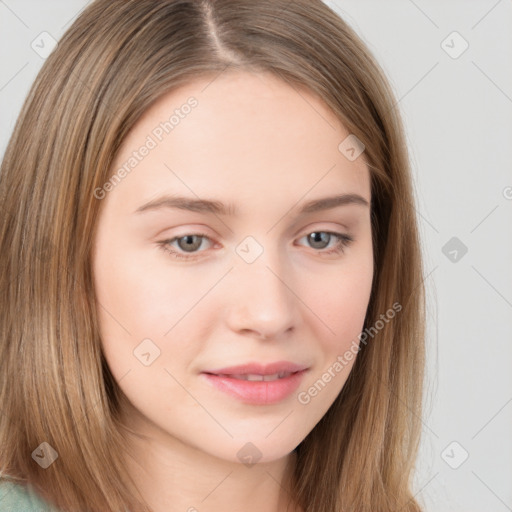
(255, 141)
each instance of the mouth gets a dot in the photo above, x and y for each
(254, 377)
(256, 384)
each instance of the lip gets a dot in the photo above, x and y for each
(257, 392)
(260, 369)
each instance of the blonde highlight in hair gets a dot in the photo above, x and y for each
(114, 62)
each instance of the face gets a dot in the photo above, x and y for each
(232, 321)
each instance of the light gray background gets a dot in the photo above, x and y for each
(458, 117)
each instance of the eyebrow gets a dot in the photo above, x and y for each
(219, 208)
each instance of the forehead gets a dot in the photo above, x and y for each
(239, 135)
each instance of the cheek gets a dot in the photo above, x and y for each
(140, 301)
(339, 312)
(144, 297)
(340, 304)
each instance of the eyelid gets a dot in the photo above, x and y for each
(321, 226)
(344, 240)
(200, 231)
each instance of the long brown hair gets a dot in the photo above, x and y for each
(114, 62)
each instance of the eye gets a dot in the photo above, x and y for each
(319, 240)
(188, 245)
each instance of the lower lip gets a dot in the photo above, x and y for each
(257, 392)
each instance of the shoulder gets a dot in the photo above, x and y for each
(18, 498)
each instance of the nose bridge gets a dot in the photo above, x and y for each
(263, 301)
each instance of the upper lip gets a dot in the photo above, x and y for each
(259, 369)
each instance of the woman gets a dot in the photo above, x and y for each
(211, 268)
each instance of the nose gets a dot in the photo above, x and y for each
(263, 302)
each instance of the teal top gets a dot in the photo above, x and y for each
(19, 498)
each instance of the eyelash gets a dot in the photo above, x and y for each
(343, 242)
